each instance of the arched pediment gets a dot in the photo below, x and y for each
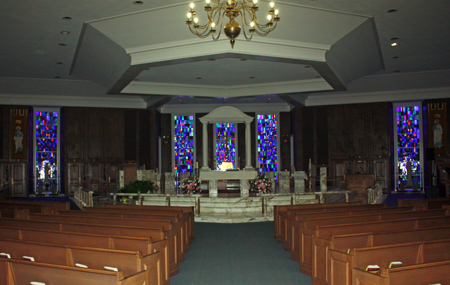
(226, 114)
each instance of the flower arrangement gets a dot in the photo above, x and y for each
(260, 185)
(190, 186)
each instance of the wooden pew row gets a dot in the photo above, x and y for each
(278, 208)
(31, 208)
(20, 272)
(428, 273)
(125, 231)
(321, 267)
(146, 208)
(16, 213)
(409, 254)
(295, 217)
(344, 243)
(60, 206)
(283, 214)
(144, 245)
(129, 262)
(174, 218)
(150, 223)
(137, 210)
(430, 203)
(304, 230)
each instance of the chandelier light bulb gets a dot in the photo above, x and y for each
(234, 17)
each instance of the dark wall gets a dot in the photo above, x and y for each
(347, 139)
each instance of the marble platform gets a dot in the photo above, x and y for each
(231, 209)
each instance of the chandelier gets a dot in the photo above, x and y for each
(232, 9)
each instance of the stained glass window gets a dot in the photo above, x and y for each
(183, 145)
(225, 144)
(408, 146)
(267, 142)
(46, 152)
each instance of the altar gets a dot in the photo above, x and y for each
(230, 115)
(242, 175)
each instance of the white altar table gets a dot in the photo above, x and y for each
(214, 176)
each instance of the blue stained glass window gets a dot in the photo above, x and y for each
(183, 146)
(225, 143)
(408, 143)
(267, 142)
(46, 151)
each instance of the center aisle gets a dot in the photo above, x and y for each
(237, 254)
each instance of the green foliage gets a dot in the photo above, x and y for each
(138, 186)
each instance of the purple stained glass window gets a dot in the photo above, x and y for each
(225, 144)
(267, 142)
(46, 152)
(183, 138)
(408, 144)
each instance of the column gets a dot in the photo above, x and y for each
(248, 147)
(205, 147)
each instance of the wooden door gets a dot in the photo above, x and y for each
(18, 180)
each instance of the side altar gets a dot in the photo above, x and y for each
(213, 176)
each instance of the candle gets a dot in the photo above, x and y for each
(309, 167)
(196, 164)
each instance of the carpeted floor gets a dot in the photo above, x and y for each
(237, 254)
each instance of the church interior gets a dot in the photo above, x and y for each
(331, 106)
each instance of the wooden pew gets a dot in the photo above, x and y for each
(293, 221)
(307, 228)
(60, 206)
(430, 203)
(32, 208)
(343, 242)
(147, 208)
(138, 210)
(173, 218)
(14, 212)
(20, 272)
(278, 208)
(283, 214)
(129, 262)
(154, 234)
(144, 245)
(427, 273)
(414, 253)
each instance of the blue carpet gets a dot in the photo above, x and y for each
(392, 199)
(237, 254)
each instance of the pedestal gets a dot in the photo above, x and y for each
(299, 181)
(169, 183)
(214, 176)
(284, 182)
(323, 179)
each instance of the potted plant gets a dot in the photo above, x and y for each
(135, 187)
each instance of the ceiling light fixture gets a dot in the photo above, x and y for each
(394, 44)
(232, 9)
(65, 32)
